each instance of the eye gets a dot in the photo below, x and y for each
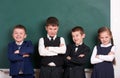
(15, 33)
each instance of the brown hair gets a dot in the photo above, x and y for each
(105, 29)
(78, 28)
(20, 27)
(52, 21)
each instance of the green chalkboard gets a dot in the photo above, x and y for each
(90, 14)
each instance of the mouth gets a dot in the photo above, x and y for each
(18, 37)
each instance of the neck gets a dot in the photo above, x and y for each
(19, 42)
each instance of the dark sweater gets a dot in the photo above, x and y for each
(75, 60)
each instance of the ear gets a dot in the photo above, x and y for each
(46, 28)
(58, 28)
(25, 36)
(83, 35)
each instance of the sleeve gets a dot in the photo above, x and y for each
(43, 51)
(108, 57)
(27, 48)
(67, 62)
(81, 60)
(61, 49)
(93, 59)
(11, 55)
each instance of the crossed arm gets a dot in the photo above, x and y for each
(100, 58)
(79, 60)
(51, 51)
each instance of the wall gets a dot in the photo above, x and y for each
(32, 14)
(115, 11)
(115, 25)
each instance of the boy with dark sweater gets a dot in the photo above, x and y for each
(76, 55)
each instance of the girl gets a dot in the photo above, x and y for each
(103, 55)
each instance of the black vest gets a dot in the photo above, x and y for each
(58, 59)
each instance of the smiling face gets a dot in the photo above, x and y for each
(105, 37)
(19, 35)
(52, 30)
(77, 37)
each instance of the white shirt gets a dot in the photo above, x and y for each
(77, 46)
(51, 51)
(19, 43)
(102, 58)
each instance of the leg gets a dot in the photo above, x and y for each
(14, 77)
(57, 72)
(29, 76)
(45, 72)
(66, 73)
(17, 76)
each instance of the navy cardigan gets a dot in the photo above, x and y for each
(17, 61)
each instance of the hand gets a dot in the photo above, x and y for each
(68, 58)
(51, 64)
(16, 52)
(61, 45)
(81, 55)
(97, 56)
(26, 55)
(111, 53)
(47, 48)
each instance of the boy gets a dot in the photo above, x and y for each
(51, 49)
(76, 55)
(19, 54)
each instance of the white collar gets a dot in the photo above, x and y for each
(79, 44)
(107, 45)
(50, 37)
(19, 43)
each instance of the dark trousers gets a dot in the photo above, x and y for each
(51, 72)
(74, 72)
(23, 76)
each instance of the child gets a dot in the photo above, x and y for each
(103, 55)
(76, 55)
(19, 54)
(51, 49)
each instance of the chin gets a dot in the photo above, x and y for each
(52, 35)
(77, 43)
(106, 43)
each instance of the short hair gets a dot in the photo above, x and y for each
(20, 27)
(78, 28)
(52, 21)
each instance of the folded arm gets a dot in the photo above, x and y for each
(60, 49)
(12, 56)
(110, 56)
(43, 51)
(81, 59)
(94, 59)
